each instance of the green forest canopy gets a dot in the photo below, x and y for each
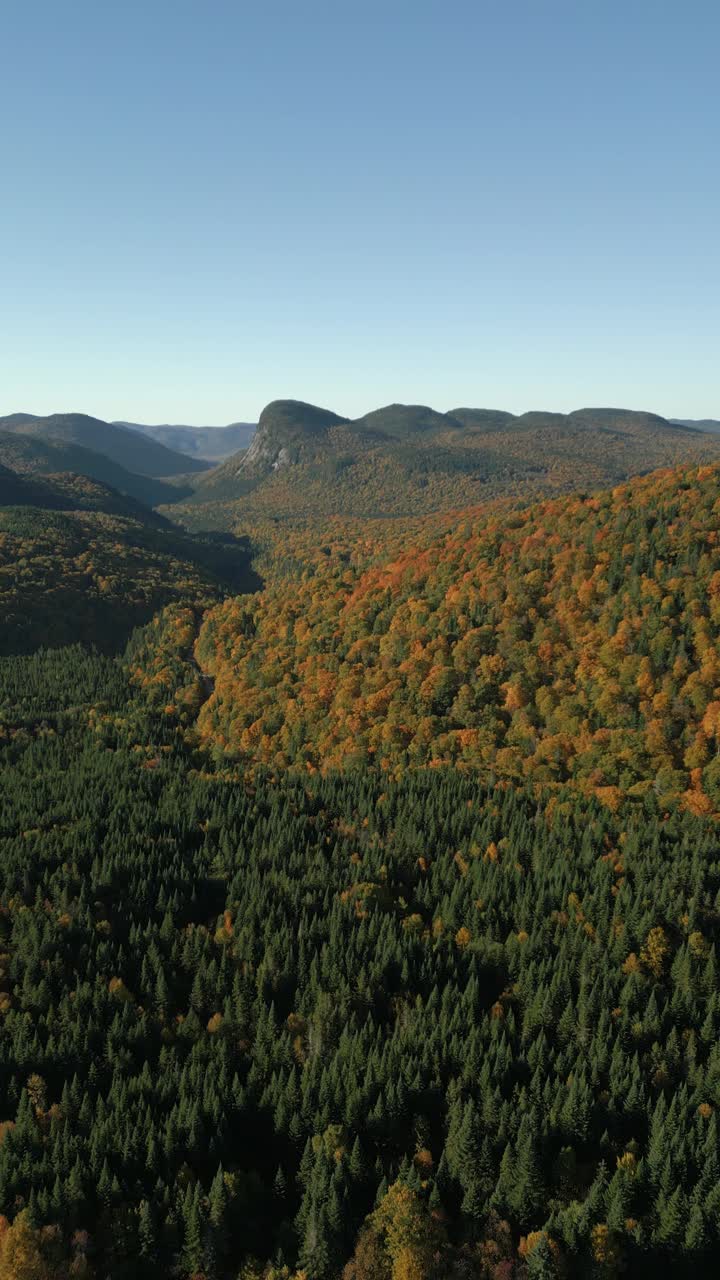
(405, 1023)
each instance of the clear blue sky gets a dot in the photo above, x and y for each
(207, 204)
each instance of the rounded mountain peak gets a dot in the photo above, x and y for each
(404, 420)
(297, 418)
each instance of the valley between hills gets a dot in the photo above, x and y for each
(359, 846)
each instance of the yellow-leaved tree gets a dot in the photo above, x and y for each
(21, 1253)
(411, 1236)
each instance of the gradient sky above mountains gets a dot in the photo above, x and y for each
(208, 206)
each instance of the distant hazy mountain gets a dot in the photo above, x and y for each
(207, 443)
(130, 449)
(410, 459)
(30, 455)
(700, 424)
(399, 459)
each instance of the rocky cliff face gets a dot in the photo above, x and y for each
(264, 454)
(285, 429)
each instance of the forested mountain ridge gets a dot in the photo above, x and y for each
(68, 491)
(37, 456)
(700, 424)
(129, 449)
(576, 640)
(409, 459)
(82, 574)
(83, 493)
(19, 490)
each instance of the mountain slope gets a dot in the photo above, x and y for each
(208, 444)
(129, 449)
(67, 491)
(85, 575)
(17, 490)
(574, 641)
(82, 493)
(34, 455)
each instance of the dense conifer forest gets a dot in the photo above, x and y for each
(359, 912)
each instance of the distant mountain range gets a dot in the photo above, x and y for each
(290, 430)
(303, 460)
(35, 456)
(410, 459)
(211, 444)
(73, 442)
(129, 449)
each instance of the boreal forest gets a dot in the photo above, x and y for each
(360, 848)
